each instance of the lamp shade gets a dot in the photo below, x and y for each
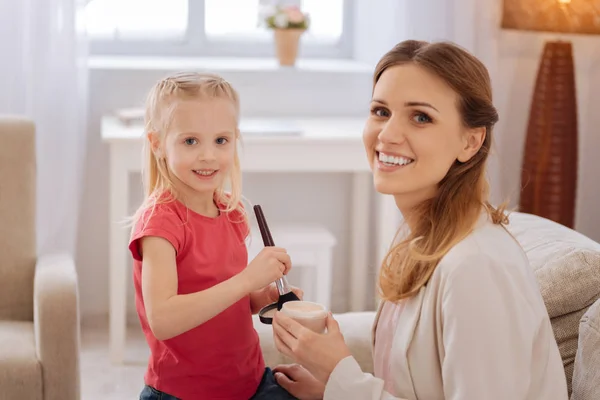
(561, 16)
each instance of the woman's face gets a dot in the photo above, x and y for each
(414, 134)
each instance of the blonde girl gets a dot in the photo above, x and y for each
(195, 291)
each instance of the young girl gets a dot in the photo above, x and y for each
(462, 316)
(195, 291)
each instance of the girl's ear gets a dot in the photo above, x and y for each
(474, 139)
(154, 140)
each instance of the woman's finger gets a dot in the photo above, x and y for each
(283, 335)
(284, 382)
(288, 324)
(281, 347)
(332, 324)
(298, 292)
(285, 368)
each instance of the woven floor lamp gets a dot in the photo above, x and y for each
(549, 169)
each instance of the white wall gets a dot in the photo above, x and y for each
(512, 59)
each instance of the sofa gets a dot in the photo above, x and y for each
(39, 314)
(567, 266)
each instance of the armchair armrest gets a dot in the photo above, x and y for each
(56, 325)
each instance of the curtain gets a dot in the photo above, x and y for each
(43, 75)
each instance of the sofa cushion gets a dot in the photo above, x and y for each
(20, 371)
(355, 326)
(567, 267)
(566, 263)
(586, 376)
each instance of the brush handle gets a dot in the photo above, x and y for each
(282, 283)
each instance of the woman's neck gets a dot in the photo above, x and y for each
(408, 213)
(408, 204)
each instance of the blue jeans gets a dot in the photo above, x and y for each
(149, 393)
(268, 389)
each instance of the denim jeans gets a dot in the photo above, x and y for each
(268, 389)
(149, 393)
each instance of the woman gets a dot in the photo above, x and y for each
(461, 315)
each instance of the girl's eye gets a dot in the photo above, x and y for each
(190, 141)
(380, 112)
(222, 140)
(421, 118)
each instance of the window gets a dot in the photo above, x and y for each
(210, 27)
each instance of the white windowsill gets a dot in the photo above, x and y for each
(230, 64)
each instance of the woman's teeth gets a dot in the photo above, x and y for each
(392, 160)
(205, 172)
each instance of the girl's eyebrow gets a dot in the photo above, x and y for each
(223, 133)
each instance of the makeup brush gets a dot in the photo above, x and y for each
(285, 292)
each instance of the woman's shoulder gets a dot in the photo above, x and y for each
(489, 247)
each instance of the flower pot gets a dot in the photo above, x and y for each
(286, 45)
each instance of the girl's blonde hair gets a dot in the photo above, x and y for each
(446, 219)
(160, 103)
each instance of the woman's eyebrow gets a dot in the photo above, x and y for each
(419, 103)
(408, 104)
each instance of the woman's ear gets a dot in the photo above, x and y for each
(472, 143)
(155, 144)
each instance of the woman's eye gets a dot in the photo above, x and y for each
(380, 112)
(190, 141)
(421, 118)
(222, 140)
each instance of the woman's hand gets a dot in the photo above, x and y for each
(318, 353)
(267, 295)
(299, 382)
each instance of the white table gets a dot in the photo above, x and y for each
(324, 145)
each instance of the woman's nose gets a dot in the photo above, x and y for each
(392, 133)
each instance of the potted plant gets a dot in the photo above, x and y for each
(288, 24)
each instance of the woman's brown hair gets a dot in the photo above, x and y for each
(444, 220)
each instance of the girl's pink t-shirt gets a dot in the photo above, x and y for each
(222, 358)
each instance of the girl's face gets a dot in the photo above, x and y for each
(414, 134)
(200, 145)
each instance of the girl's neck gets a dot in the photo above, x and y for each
(200, 203)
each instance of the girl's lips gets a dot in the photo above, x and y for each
(204, 175)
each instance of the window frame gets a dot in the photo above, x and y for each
(195, 43)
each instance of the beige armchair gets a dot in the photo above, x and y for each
(39, 314)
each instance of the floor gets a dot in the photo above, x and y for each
(100, 379)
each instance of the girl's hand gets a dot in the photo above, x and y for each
(318, 353)
(269, 265)
(268, 295)
(299, 382)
